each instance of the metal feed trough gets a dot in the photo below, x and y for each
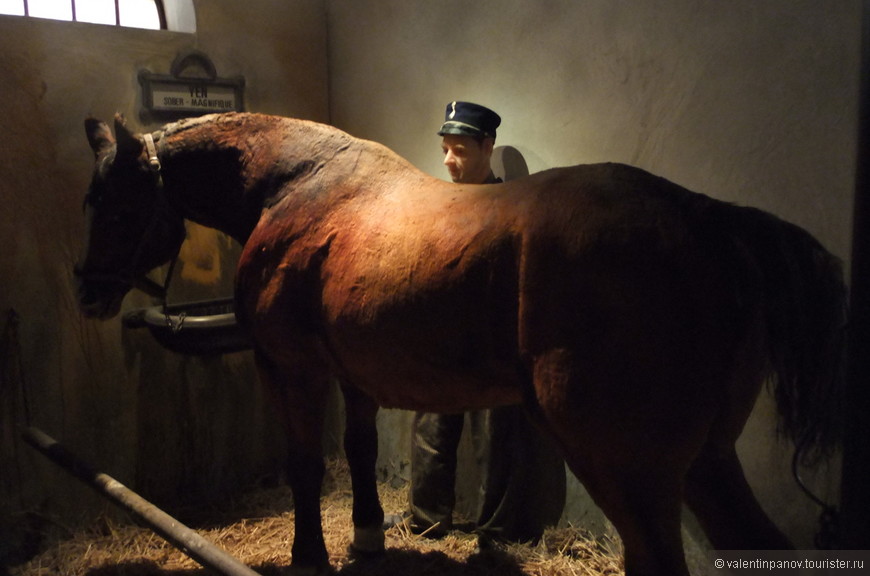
(197, 328)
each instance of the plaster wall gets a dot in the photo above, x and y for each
(177, 429)
(746, 101)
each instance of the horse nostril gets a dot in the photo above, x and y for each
(90, 296)
(87, 299)
(84, 289)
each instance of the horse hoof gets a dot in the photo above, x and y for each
(368, 540)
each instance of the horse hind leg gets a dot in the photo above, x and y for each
(646, 512)
(639, 490)
(718, 494)
(644, 504)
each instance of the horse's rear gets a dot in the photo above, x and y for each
(647, 343)
(651, 345)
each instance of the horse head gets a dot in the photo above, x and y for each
(131, 226)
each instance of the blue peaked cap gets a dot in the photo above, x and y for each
(468, 119)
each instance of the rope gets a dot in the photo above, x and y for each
(829, 519)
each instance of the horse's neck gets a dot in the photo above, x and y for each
(202, 179)
(221, 170)
(218, 169)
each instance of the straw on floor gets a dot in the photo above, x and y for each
(258, 529)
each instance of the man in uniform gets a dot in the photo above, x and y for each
(523, 476)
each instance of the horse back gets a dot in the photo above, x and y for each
(459, 288)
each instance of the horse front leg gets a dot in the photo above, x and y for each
(361, 449)
(301, 400)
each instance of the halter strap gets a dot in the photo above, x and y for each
(143, 282)
(151, 148)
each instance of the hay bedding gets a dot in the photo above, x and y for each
(262, 540)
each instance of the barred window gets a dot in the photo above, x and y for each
(148, 14)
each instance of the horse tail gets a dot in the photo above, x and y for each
(804, 300)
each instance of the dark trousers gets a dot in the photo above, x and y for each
(522, 478)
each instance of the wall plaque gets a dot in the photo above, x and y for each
(192, 88)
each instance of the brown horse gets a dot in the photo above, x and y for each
(635, 320)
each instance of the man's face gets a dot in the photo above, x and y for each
(466, 158)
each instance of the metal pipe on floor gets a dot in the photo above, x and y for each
(186, 540)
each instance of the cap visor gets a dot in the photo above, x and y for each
(459, 130)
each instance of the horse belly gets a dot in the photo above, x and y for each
(432, 357)
(444, 343)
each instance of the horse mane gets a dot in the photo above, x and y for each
(230, 118)
(322, 142)
(189, 123)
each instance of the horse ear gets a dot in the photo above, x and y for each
(99, 136)
(128, 144)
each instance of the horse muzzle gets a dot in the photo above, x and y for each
(101, 304)
(100, 297)
(101, 294)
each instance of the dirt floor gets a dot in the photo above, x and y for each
(258, 529)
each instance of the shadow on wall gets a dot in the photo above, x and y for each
(508, 163)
